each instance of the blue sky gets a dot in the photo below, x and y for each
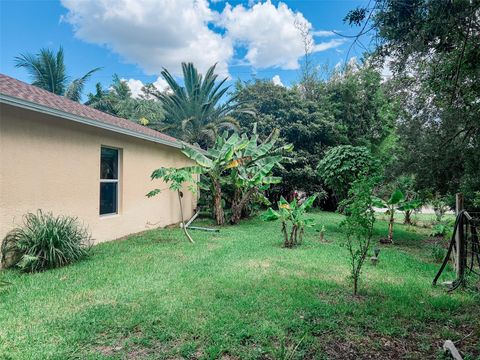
(135, 39)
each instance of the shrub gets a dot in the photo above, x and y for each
(45, 241)
(344, 164)
(440, 206)
(443, 229)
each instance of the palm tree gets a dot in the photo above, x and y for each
(48, 72)
(194, 109)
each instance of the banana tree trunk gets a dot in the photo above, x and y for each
(302, 230)
(390, 226)
(293, 237)
(217, 203)
(285, 234)
(239, 204)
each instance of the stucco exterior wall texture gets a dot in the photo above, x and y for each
(53, 164)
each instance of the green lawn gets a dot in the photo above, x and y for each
(237, 294)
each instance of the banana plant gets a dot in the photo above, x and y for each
(293, 214)
(396, 202)
(214, 162)
(251, 170)
(177, 178)
(242, 162)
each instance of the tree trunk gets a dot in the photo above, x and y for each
(285, 234)
(238, 204)
(408, 218)
(217, 203)
(293, 237)
(181, 215)
(390, 227)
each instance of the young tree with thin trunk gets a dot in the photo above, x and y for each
(177, 179)
(358, 225)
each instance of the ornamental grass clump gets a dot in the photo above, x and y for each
(45, 241)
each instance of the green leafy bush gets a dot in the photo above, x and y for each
(344, 164)
(45, 241)
(443, 229)
(440, 206)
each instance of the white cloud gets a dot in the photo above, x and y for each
(328, 45)
(268, 32)
(156, 34)
(323, 33)
(152, 33)
(277, 81)
(135, 87)
(161, 84)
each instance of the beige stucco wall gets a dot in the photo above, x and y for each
(53, 164)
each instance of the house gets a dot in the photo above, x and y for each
(61, 156)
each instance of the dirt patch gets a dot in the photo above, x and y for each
(132, 351)
(131, 346)
(423, 345)
(381, 348)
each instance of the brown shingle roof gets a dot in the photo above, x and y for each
(23, 91)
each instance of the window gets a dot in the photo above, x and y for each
(108, 181)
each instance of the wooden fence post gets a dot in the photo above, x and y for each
(460, 239)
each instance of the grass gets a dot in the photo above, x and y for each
(237, 294)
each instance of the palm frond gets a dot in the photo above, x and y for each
(75, 89)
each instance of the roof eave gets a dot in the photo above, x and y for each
(25, 104)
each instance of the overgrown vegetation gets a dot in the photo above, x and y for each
(432, 48)
(343, 165)
(45, 241)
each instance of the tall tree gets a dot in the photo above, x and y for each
(432, 48)
(195, 110)
(48, 72)
(350, 108)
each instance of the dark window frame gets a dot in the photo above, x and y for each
(112, 180)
